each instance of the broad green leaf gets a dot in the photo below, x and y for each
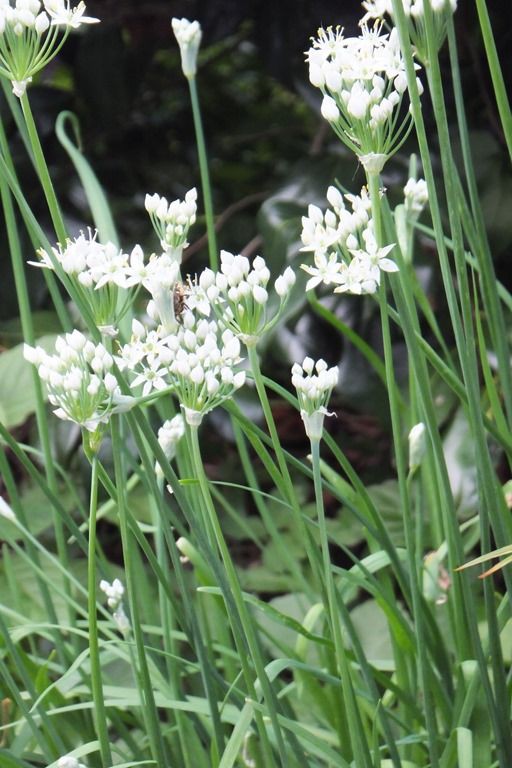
(17, 393)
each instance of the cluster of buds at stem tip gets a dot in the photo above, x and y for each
(172, 221)
(239, 297)
(188, 34)
(314, 383)
(31, 34)
(80, 381)
(363, 82)
(115, 593)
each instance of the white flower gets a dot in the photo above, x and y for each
(69, 762)
(79, 380)
(114, 593)
(188, 34)
(362, 81)
(314, 383)
(30, 37)
(196, 362)
(62, 14)
(326, 270)
(169, 435)
(172, 221)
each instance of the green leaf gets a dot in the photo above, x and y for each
(17, 392)
(96, 198)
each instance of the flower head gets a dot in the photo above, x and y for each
(314, 382)
(99, 271)
(239, 295)
(172, 221)
(79, 380)
(198, 363)
(29, 36)
(188, 34)
(363, 81)
(69, 762)
(169, 435)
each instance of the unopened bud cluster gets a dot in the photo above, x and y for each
(169, 435)
(239, 296)
(188, 34)
(79, 380)
(115, 593)
(314, 382)
(69, 762)
(172, 221)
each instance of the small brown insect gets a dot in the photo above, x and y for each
(179, 298)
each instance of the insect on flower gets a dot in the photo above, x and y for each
(179, 298)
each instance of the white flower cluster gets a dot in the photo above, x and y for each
(363, 81)
(172, 221)
(69, 762)
(29, 36)
(197, 362)
(169, 435)
(345, 252)
(314, 383)
(188, 34)
(115, 593)
(415, 13)
(238, 295)
(99, 270)
(416, 196)
(79, 380)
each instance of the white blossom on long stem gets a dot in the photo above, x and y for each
(238, 295)
(172, 221)
(198, 363)
(343, 246)
(188, 34)
(314, 382)
(115, 593)
(79, 380)
(32, 33)
(363, 83)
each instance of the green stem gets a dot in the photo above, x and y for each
(143, 678)
(244, 617)
(96, 682)
(205, 175)
(414, 567)
(353, 728)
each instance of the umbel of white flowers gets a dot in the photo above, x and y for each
(345, 251)
(169, 435)
(197, 362)
(32, 33)
(314, 383)
(238, 295)
(79, 380)
(363, 81)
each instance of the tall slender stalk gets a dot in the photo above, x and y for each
(205, 175)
